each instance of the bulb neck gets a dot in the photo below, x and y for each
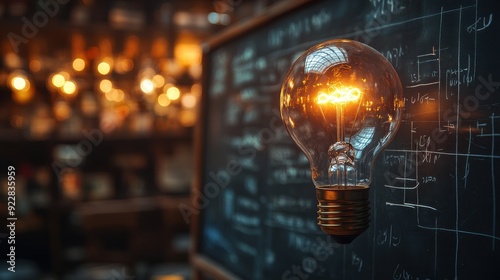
(343, 212)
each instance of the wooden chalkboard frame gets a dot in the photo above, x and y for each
(203, 265)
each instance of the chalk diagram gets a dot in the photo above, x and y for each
(446, 90)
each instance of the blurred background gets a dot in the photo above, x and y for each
(98, 101)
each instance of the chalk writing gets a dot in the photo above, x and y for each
(388, 237)
(433, 189)
(356, 262)
(313, 23)
(402, 274)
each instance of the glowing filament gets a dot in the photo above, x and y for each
(339, 96)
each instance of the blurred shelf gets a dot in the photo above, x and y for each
(131, 204)
(11, 135)
(130, 230)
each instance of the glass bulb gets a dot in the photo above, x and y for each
(341, 103)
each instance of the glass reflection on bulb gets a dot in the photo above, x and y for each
(341, 103)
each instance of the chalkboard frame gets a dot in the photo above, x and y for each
(202, 265)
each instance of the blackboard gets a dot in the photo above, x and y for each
(435, 199)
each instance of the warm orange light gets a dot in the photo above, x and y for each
(187, 54)
(59, 79)
(340, 95)
(173, 93)
(163, 100)
(104, 68)
(119, 96)
(78, 64)
(116, 95)
(20, 83)
(158, 80)
(69, 87)
(188, 101)
(196, 89)
(109, 95)
(62, 110)
(35, 65)
(187, 118)
(22, 96)
(147, 86)
(21, 87)
(123, 65)
(105, 85)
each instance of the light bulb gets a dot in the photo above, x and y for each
(341, 103)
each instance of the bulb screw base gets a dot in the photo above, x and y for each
(343, 212)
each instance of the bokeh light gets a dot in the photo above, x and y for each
(188, 101)
(69, 88)
(147, 86)
(173, 93)
(20, 83)
(105, 85)
(78, 64)
(104, 67)
(163, 100)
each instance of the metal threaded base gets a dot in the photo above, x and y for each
(343, 212)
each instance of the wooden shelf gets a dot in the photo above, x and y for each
(129, 223)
